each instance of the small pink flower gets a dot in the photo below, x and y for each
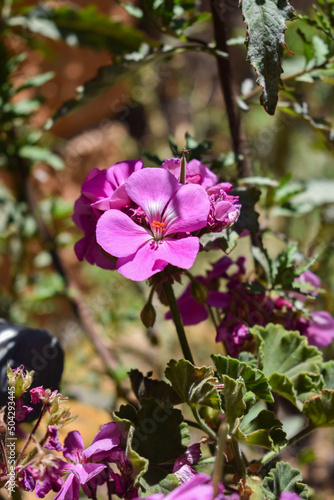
(172, 211)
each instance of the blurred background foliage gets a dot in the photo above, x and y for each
(84, 85)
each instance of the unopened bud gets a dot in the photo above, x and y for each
(148, 315)
(19, 380)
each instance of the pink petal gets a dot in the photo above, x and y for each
(72, 444)
(141, 265)
(154, 257)
(86, 472)
(117, 174)
(118, 235)
(151, 189)
(196, 167)
(188, 210)
(110, 430)
(70, 489)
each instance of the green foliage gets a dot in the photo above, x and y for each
(294, 363)
(139, 464)
(158, 481)
(327, 372)
(85, 27)
(265, 430)
(265, 22)
(173, 16)
(37, 154)
(253, 379)
(320, 409)
(284, 478)
(146, 387)
(233, 402)
(194, 385)
(160, 435)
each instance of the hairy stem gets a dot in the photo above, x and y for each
(239, 461)
(218, 471)
(227, 85)
(174, 309)
(202, 424)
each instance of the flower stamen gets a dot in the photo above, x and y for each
(158, 225)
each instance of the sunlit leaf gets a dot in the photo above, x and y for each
(233, 402)
(266, 24)
(293, 359)
(264, 430)
(194, 385)
(254, 379)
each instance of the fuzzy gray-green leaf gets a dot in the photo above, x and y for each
(266, 24)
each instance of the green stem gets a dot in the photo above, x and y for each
(239, 461)
(272, 454)
(203, 425)
(218, 470)
(168, 289)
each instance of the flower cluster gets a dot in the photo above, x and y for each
(138, 220)
(237, 309)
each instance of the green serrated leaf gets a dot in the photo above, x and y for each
(160, 434)
(266, 24)
(145, 387)
(327, 372)
(139, 464)
(254, 379)
(320, 409)
(284, 478)
(194, 385)
(264, 430)
(157, 480)
(293, 357)
(233, 404)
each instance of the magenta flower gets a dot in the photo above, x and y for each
(171, 212)
(82, 463)
(225, 209)
(198, 487)
(101, 190)
(320, 329)
(289, 495)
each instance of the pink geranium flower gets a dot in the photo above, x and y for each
(101, 190)
(171, 212)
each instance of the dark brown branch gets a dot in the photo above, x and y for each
(227, 84)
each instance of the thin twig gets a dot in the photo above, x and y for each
(227, 84)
